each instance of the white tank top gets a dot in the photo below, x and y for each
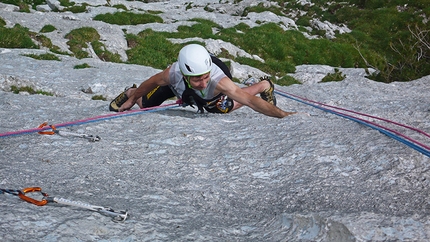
(178, 86)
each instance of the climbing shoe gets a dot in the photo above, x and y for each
(268, 94)
(119, 100)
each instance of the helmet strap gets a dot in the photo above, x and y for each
(187, 80)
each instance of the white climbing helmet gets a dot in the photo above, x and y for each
(194, 60)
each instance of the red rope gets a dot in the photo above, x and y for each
(42, 128)
(362, 114)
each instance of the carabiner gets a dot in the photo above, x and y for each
(32, 200)
(47, 132)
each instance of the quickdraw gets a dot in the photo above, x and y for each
(54, 130)
(118, 216)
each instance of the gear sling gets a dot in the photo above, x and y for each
(218, 104)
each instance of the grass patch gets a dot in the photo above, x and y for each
(151, 48)
(383, 37)
(29, 90)
(128, 18)
(16, 37)
(47, 56)
(334, 77)
(2, 22)
(76, 8)
(82, 66)
(48, 29)
(24, 5)
(98, 97)
(287, 81)
(267, 41)
(78, 39)
(66, 3)
(260, 8)
(120, 6)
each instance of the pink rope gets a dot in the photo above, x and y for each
(362, 114)
(388, 129)
(88, 120)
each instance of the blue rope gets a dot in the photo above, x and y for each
(386, 132)
(90, 120)
(10, 191)
(125, 114)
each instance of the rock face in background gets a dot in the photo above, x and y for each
(182, 176)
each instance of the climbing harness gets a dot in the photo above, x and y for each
(424, 149)
(178, 103)
(91, 138)
(117, 216)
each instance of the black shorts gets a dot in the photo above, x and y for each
(221, 104)
(157, 96)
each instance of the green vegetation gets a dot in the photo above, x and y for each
(16, 37)
(120, 6)
(334, 77)
(82, 66)
(46, 56)
(66, 3)
(76, 8)
(151, 49)
(98, 97)
(20, 37)
(78, 39)
(48, 28)
(287, 81)
(260, 8)
(29, 90)
(24, 5)
(267, 41)
(128, 18)
(391, 37)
